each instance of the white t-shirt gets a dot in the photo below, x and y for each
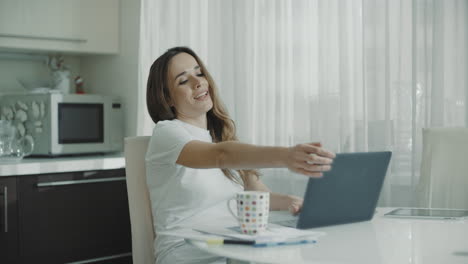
(181, 196)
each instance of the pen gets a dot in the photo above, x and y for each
(285, 243)
(258, 244)
(229, 241)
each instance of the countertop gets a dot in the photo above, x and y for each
(29, 166)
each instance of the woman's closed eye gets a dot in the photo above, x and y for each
(186, 80)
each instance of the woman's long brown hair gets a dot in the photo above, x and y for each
(220, 125)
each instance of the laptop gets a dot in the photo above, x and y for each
(347, 193)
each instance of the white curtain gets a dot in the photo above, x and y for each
(361, 75)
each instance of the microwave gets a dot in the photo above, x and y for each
(66, 124)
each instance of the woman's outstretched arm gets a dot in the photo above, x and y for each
(308, 159)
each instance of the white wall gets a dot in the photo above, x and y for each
(118, 74)
(30, 67)
(102, 74)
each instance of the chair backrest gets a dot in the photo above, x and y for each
(138, 200)
(444, 169)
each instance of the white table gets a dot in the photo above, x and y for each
(382, 240)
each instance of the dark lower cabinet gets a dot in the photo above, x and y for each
(9, 247)
(74, 217)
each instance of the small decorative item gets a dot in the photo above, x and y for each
(60, 74)
(79, 89)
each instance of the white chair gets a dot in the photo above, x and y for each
(444, 169)
(138, 200)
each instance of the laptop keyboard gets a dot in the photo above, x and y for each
(288, 223)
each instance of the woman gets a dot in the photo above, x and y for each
(194, 161)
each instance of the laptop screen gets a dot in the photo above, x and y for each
(346, 194)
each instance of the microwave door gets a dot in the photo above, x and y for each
(80, 123)
(80, 128)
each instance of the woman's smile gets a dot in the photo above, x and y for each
(202, 96)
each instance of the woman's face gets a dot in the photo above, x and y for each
(188, 87)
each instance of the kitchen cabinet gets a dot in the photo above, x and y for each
(65, 217)
(9, 221)
(75, 216)
(74, 26)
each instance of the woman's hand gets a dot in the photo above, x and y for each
(295, 204)
(309, 159)
(283, 202)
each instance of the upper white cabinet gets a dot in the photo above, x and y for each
(75, 26)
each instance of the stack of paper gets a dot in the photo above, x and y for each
(274, 235)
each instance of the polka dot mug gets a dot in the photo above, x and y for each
(252, 211)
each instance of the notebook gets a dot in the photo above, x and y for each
(346, 194)
(429, 213)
